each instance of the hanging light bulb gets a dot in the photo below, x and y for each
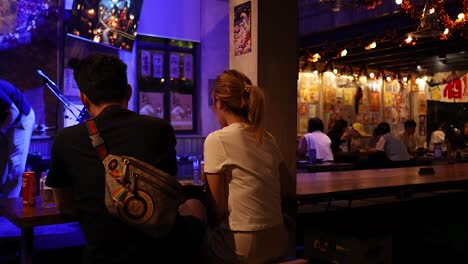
(344, 53)
(398, 2)
(408, 39)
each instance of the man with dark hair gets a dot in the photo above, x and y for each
(409, 137)
(16, 125)
(77, 173)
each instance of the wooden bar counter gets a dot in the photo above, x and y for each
(378, 182)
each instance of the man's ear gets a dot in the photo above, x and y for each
(84, 99)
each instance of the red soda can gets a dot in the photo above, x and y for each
(29, 188)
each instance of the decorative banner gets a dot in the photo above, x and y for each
(188, 66)
(145, 67)
(158, 61)
(434, 93)
(174, 65)
(449, 88)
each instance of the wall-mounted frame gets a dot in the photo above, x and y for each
(166, 81)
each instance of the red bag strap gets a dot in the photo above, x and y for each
(96, 140)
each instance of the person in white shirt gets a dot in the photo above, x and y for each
(316, 139)
(409, 137)
(247, 178)
(438, 137)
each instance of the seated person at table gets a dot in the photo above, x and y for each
(455, 142)
(338, 134)
(438, 137)
(315, 138)
(77, 172)
(358, 135)
(393, 148)
(409, 137)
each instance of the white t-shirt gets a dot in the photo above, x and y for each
(252, 172)
(322, 145)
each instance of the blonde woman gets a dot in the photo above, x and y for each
(246, 176)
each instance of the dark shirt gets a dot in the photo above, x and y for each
(75, 163)
(335, 137)
(10, 94)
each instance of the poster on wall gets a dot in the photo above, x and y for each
(242, 29)
(303, 109)
(348, 95)
(188, 66)
(151, 104)
(174, 65)
(303, 122)
(312, 110)
(329, 98)
(181, 111)
(145, 67)
(308, 88)
(422, 103)
(158, 61)
(374, 101)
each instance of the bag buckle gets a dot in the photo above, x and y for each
(96, 140)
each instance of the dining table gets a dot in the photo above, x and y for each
(26, 218)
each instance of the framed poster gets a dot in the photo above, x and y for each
(145, 67)
(188, 66)
(158, 61)
(242, 29)
(181, 111)
(174, 65)
(374, 101)
(151, 104)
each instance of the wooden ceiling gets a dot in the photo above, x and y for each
(431, 54)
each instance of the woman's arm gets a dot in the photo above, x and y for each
(218, 197)
(288, 192)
